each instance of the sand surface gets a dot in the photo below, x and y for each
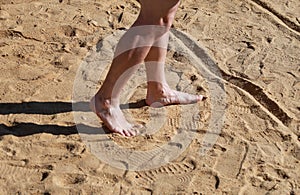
(255, 44)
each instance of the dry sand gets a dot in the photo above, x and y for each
(256, 45)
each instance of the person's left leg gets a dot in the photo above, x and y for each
(158, 91)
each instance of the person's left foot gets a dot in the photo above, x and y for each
(161, 95)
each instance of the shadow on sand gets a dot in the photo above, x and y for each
(50, 108)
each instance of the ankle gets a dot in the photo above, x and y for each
(156, 89)
(157, 86)
(106, 100)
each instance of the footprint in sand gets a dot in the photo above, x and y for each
(19, 174)
(180, 173)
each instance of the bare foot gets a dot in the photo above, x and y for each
(161, 95)
(112, 116)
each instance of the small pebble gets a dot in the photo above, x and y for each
(194, 78)
(94, 23)
(4, 15)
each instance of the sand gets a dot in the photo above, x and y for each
(254, 44)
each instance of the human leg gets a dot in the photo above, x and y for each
(146, 40)
(131, 50)
(158, 91)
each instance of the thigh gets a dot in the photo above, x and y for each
(157, 9)
(162, 7)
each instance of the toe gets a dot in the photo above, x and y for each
(121, 133)
(126, 133)
(132, 132)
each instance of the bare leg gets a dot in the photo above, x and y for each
(158, 91)
(131, 50)
(106, 101)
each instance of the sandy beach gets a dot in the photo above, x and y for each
(55, 54)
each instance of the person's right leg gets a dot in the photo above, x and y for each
(106, 101)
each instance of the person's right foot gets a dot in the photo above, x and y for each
(112, 116)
